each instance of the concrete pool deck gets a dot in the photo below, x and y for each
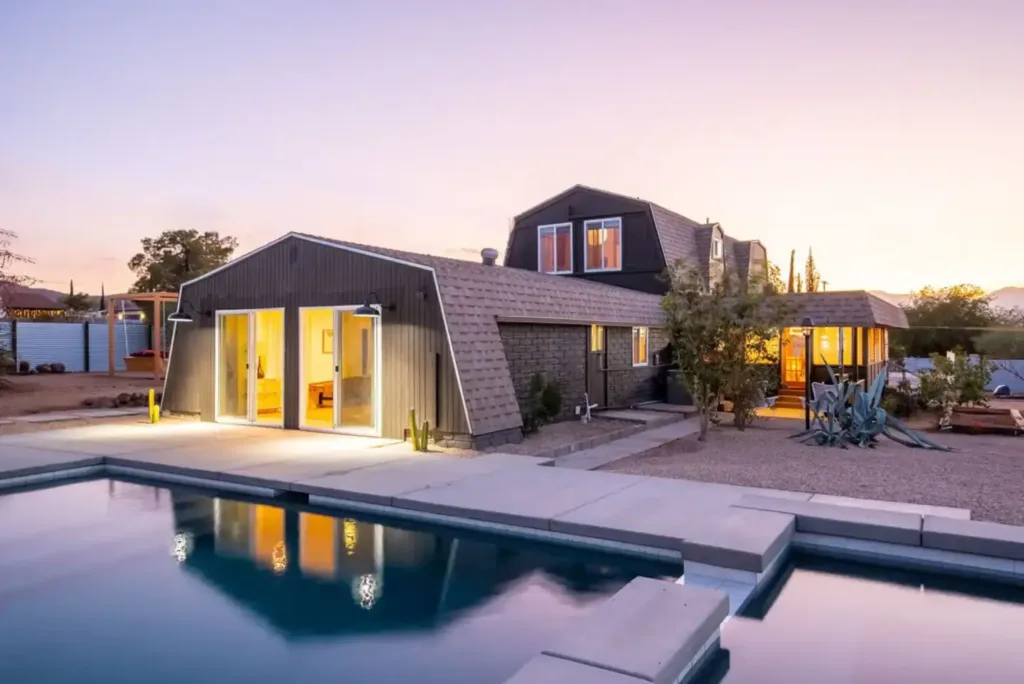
(730, 539)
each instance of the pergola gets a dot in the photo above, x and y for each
(158, 299)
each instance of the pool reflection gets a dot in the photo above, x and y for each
(312, 574)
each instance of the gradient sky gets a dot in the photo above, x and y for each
(887, 135)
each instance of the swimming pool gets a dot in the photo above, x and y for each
(832, 621)
(117, 581)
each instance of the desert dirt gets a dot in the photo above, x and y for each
(984, 474)
(40, 393)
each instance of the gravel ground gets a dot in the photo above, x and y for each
(559, 434)
(60, 392)
(984, 474)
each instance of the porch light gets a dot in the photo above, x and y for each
(808, 326)
(368, 310)
(181, 316)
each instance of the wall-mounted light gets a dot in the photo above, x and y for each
(371, 308)
(182, 316)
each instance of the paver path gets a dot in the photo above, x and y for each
(589, 459)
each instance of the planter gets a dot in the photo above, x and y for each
(139, 364)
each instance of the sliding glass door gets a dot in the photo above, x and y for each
(340, 356)
(250, 367)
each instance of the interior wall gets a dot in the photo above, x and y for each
(318, 360)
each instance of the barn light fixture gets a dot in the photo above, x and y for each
(371, 308)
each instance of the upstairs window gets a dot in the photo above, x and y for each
(554, 248)
(597, 338)
(716, 248)
(604, 245)
(640, 346)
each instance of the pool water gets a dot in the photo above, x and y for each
(109, 581)
(829, 621)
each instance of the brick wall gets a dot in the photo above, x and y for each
(558, 352)
(628, 385)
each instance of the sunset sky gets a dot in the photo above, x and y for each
(890, 137)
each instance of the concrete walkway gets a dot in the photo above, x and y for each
(591, 459)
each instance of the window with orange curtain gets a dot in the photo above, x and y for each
(554, 248)
(268, 535)
(318, 545)
(604, 245)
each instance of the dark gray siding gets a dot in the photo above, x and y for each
(417, 367)
(642, 260)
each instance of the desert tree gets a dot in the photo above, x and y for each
(724, 340)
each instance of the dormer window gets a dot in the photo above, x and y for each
(717, 245)
(603, 245)
(554, 248)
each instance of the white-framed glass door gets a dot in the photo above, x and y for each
(249, 384)
(340, 361)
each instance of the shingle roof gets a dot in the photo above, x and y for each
(678, 236)
(19, 297)
(475, 297)
(854, 308)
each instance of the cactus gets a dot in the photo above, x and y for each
(856, 417)
(425, 436)
(413, 432)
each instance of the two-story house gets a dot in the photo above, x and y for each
(624, 241)
(315, 333)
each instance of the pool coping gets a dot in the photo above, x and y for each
(968, 548)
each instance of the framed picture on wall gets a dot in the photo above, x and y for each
(327, 343)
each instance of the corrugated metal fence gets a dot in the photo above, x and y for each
(79, 346)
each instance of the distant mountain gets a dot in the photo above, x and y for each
(1005, 298)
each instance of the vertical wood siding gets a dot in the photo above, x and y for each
(416, 361)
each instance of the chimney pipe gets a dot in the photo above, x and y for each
(488, 255)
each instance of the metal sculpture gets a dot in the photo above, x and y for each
(851, 415)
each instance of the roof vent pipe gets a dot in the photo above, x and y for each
(489, 255)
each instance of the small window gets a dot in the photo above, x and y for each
(604, 245)
(716, 248)
(597, 338)
(554, 248)
(640, 346)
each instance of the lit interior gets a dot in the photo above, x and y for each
(251, 356)
(328, 335)
(318, 545)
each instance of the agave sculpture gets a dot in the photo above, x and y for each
(854, 416)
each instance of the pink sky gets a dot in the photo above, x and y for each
(887, 137)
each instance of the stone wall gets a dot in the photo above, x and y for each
(558, 352)
(628, 385)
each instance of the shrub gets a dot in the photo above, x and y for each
(57, 368)
(43, 368)
(954, 383)
(24, 367)
(551, 400)
(544, 403)
(900, 401)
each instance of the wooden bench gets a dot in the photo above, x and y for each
(982, 419)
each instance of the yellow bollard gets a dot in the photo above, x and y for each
(154, 410)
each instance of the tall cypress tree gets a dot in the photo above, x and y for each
(792, 271)
(812, 279)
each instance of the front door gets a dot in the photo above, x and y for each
(250, 367)
(597, 363)
(340, 360)
(793, 357)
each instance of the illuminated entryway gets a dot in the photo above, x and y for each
(250, 367)
(339, 388)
